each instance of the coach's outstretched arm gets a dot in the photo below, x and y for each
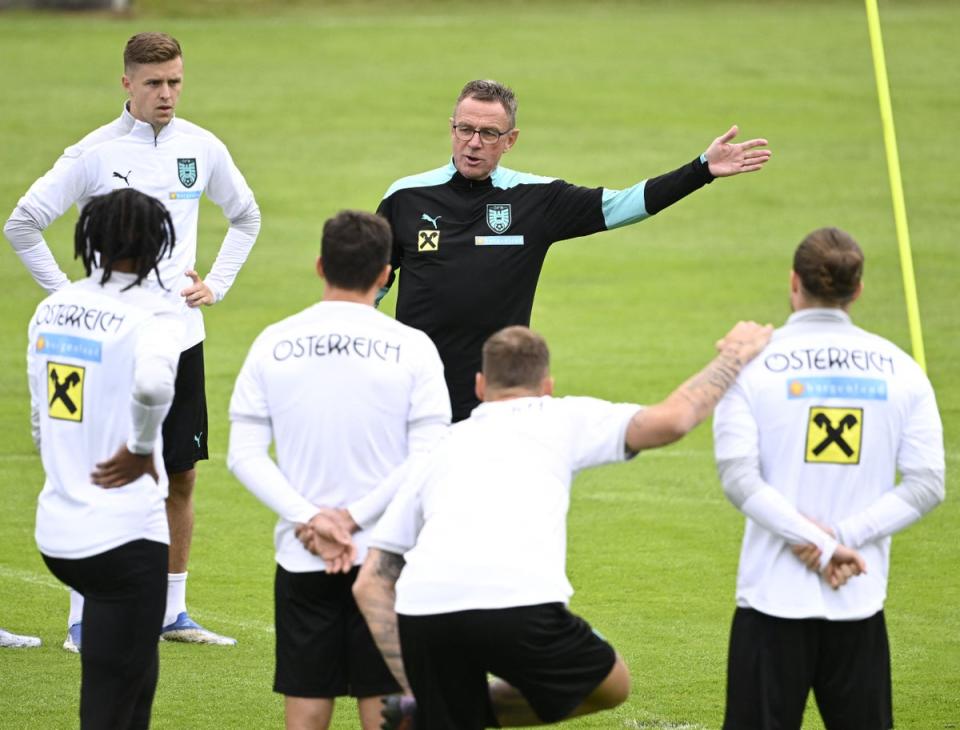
(673, 418)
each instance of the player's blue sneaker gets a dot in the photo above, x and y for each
(187, 630)
(72, 642)
(17, 641)
(398, 712)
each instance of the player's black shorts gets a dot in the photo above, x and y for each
(324, 648)
(551, 656)
(773, 663)
(185, 427)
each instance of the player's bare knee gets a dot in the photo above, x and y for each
(615, 689)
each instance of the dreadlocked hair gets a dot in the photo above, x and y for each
(124, 224)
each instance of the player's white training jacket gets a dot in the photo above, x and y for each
(818, 426)
(101, 363)
(347, 393)
(176, 167)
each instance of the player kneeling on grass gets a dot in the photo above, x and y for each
(466, 571)
(102, 359)
(347, 393)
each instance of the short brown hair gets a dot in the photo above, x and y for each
(355, 247)
(830, 264)
(150, 48)
(489, 90)
(515, 357)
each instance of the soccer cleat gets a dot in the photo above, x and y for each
(398, 712)
(72, 642)
(187, 630)
(16, 641)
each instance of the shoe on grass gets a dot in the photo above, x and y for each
(16, 641)
(72, 642)
(188, 631)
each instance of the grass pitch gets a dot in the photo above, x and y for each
(322, 107)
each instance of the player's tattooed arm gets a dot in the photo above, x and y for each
(696, 398)
(375, 592)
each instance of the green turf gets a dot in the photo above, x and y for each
(323, 108)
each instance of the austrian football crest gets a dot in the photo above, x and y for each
(187, 170)
(498, 217)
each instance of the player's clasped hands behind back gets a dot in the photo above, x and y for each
(327, 535)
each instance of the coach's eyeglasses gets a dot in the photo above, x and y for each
(465, 132)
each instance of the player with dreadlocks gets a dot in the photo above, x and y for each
(102, 360)
(124, 229)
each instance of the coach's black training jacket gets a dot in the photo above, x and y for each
(471, 250)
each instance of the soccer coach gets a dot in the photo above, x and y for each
(470, 237)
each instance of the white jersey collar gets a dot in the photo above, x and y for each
(821, 315)
(143, 131)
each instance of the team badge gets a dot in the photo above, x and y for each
(834, 435)
(499, 217)
(65, 391)
(428, 240)
(187, 170)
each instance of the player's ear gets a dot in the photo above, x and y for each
(384, 276)
(480, 386)
(511, 139)
(857, 293)
(320, 267)
(546, 385)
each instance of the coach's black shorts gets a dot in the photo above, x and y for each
(185, 427)
(773, 663)
(551, 656)
(324, 648)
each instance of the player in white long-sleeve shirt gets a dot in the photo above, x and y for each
(101, 364)
(346, 393)
(175, 161)
(808, 445)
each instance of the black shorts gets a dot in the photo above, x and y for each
(774, 662)
(324, 648)
(185, 427)
(551, 656)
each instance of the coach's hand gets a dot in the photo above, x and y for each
(198, 292)
(725, 159)
(123, 468)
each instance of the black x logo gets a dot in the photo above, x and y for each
(834, 435)
(60, 389)
(429, 240)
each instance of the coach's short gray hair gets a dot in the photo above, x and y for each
(489, 90)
